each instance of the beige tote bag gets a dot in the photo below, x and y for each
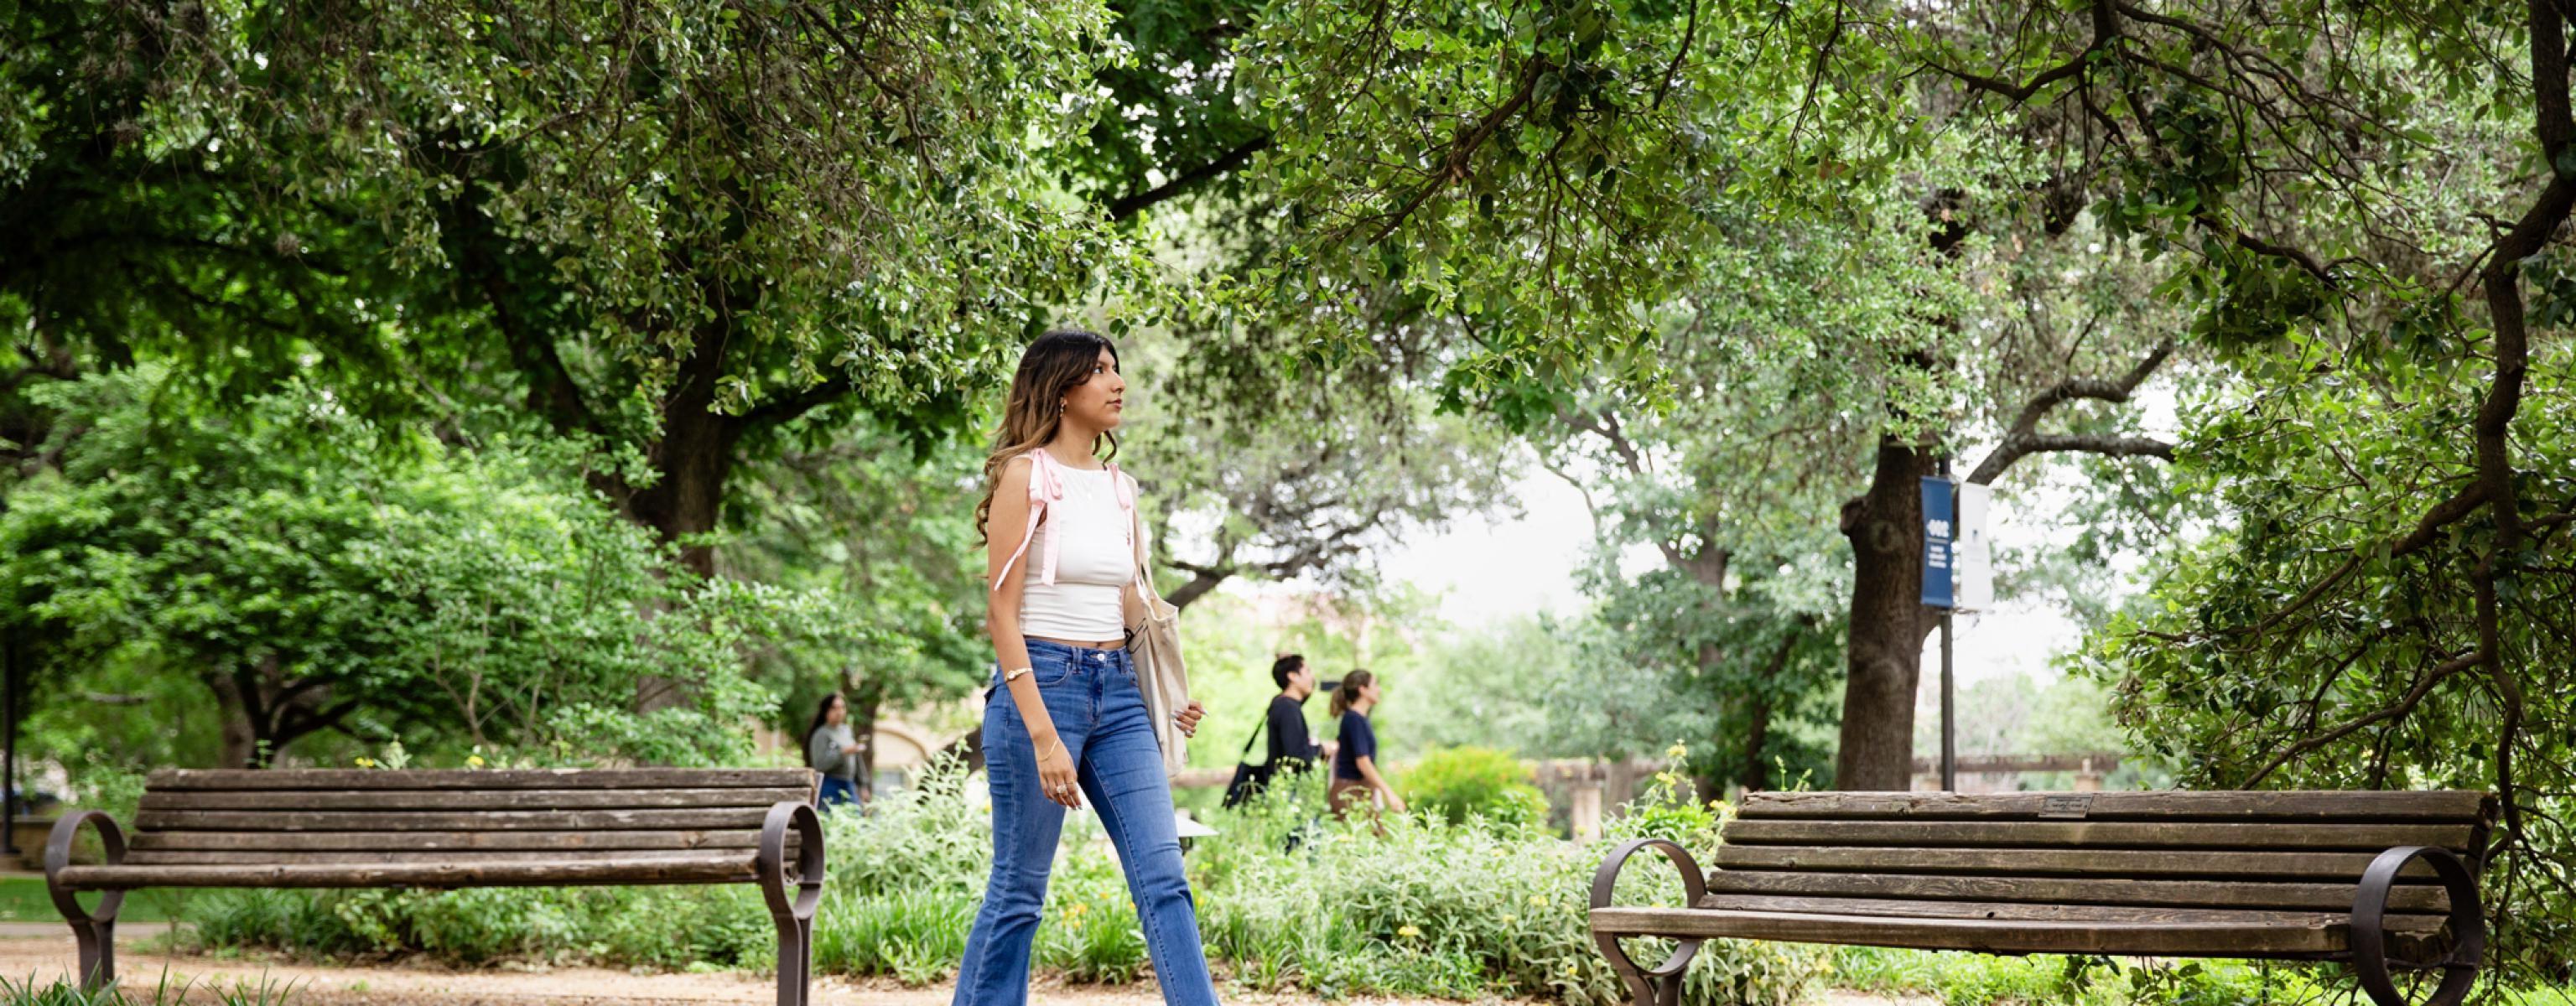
(1154, 643)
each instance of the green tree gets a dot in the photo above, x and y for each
(673, 229)
(2377, 606)
(1289, 472)
(313, 573)
(858, 515)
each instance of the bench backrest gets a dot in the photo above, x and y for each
(2268, 851)
(358, 816)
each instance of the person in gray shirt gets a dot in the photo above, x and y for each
(832, 749)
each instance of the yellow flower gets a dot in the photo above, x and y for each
(475, 761)
(1077, 908)
(365, 762)
(1569, 967)
(1407, 932)
(1677, 751)
(1539, 900)
(1509, 918)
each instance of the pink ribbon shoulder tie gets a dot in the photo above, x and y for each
(1046, 486)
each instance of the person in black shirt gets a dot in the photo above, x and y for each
(1355, 769)
(1292, 747)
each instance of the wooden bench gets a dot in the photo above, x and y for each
(449, 829)
(2378, 879)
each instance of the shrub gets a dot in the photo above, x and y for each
(1461, 783)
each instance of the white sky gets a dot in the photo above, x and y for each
(1485, 571)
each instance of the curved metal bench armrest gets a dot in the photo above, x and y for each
(1661, 984)
(2468, 926)
(772, 866)
(58, 854)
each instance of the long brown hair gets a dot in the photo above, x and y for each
(1347, 693)
(1055, 364)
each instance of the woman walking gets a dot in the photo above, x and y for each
(832, 748)
(1355, 772)
(1066, 719)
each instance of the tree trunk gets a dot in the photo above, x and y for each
(864, 703)
(1757, 771)
(240, 739)
(1757, 733)
(693, 459)
(1888, 622)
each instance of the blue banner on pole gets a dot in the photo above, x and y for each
(1938, 530)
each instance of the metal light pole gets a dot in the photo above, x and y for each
(9, 753)
(1949, 695)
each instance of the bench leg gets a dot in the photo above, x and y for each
(1660, 985)
(793, 890)
(96, 939)
(93, 929)
(795, 961)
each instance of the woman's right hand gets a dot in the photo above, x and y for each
(1055, 772)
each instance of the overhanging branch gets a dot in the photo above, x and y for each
(1129, 205)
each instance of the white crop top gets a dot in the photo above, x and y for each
(1087, 532)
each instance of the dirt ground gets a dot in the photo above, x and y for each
(46, 959)
(49, 958)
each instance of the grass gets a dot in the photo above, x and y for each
(163, 993)
(24, 899)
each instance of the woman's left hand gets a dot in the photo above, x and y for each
(1189, 718)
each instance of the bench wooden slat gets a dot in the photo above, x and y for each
(491, 820)
(480, 779)
(195, 857)
(2107, 834)
(2210, 937)
(714, 867)
(2143, 863)
(2088, 891)
(2463, 806)
(461, 799)
(2030, 912)
(436, 840)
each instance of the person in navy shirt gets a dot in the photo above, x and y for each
(1355, 771)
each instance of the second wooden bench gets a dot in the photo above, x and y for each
(2382, 880)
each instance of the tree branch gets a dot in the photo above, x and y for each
(1453, 167)
(2405, 704)
(2106, 30)
(830, 389)
(2023, 437)
(1129, 205)
(1689, 32)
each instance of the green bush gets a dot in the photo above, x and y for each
(916, 937)
(1461, 783)
(674, 927)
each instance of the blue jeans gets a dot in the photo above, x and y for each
(1100, 716)
(839, 792)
